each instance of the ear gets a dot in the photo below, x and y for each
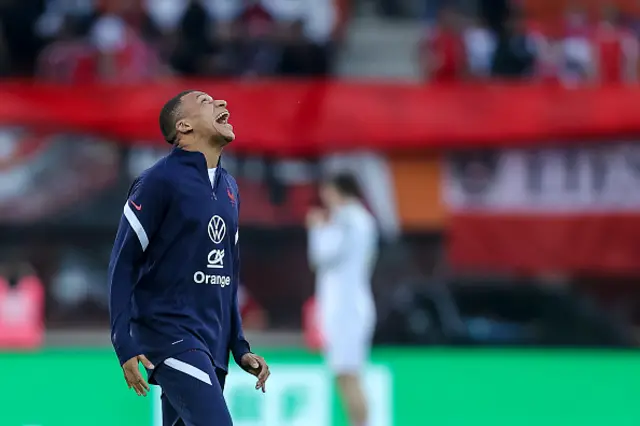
(183, 126)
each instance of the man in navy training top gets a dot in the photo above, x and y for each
(174, 270)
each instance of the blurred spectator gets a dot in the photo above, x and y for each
(68, 58)
(442, 50)
(495, 13)
(320, 23)
(577, 55)
(200, 37)
(616, 50)
(21, 306)
(307, 29)
(260, 50)
(480, 45)
(344, 10)
(19, 43)
(515, 55)
(549, 57)
(227, 35)
(166, 14)
(135, 14)
(122, 54)
(252, 37)
(194, 49)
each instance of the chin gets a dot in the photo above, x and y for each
(225, 138)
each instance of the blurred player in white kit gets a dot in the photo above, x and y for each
(343, 245)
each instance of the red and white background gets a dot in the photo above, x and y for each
(547, 184)
(555, 210)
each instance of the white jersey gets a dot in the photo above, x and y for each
(343, 253)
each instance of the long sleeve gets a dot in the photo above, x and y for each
(143, 212)
(327, 242)
(237, 342)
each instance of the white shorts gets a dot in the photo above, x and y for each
(347, 350)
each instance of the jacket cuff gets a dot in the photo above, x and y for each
(125, 350)
(238, 350)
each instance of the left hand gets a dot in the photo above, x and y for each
(256, 365)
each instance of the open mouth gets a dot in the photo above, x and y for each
(223, 118)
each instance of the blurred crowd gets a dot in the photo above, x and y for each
(576, 48)
(132, 40)
(74, 41)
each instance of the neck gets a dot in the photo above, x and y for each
(211, 153)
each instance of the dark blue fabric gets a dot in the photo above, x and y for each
(179, 293)
(187, 401)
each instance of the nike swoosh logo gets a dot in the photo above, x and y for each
(137, 207)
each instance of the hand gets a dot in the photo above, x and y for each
(315, 217)
(132, 374)
(256, 365)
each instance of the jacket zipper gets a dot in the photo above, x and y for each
(216, 179)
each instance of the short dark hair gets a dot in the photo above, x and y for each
(169, 115)
(346, 184)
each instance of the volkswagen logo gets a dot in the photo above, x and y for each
(217, 229)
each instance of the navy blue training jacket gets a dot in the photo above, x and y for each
(174, 269)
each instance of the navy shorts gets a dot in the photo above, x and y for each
(192, 391)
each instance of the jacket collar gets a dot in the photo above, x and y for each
(195, 158)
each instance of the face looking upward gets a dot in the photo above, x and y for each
(206, 118)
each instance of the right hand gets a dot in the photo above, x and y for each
(132, 374)
(316, 216)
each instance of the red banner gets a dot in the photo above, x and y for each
(308, 118)
(604, 243)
